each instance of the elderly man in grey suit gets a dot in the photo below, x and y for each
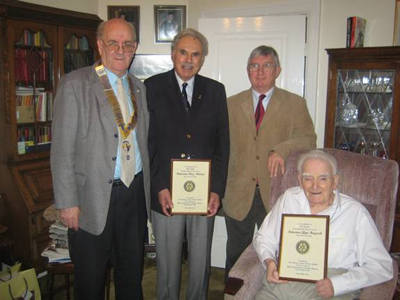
(100, 166)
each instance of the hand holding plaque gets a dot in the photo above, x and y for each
(190, 186)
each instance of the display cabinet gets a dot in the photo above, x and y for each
(37, 45)
(363, 106)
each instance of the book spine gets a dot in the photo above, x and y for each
(353, 32)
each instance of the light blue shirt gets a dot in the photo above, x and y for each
(265, 101)
(113, 81)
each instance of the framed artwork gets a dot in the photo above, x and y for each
(168, 21)
(129, 13)
(146, 65)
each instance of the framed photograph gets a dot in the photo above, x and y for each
(129, 13)
(168, 21)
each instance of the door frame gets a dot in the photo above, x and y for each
(309, 8)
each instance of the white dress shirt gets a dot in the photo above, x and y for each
(265, 101)
(354, 241)
(189, 87)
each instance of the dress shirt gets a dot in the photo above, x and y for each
(265, 101)
(354, 241)
(113, 81)
(189, 87)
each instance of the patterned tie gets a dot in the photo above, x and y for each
(259, 114)
(127, 150)
(185, 96)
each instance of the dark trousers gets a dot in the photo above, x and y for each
(240, 233)
(121, 244)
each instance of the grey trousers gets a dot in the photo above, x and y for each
(298, 290)
(170, 233)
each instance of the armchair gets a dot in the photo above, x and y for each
(370, 180)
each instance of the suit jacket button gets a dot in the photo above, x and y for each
(114, 158)
(253, 179)
(110, 181)
(183, 155)
(257, 157)
(116, 135)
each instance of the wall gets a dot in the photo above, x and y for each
(379, 32)
(147, 43)
(332, 29)
(332, 32)
(86, 6)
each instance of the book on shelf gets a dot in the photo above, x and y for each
(33, 66)
(355, 32)
(35, 39)
(33, 105)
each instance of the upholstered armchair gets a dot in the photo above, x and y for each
(372, 181)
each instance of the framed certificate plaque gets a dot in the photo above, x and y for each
(303, 254)
(190, 186)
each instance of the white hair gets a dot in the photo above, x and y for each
(317, 154)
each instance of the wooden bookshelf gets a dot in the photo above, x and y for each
(37, 45)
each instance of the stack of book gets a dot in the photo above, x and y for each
(57, 251)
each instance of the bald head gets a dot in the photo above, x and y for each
(115, 22)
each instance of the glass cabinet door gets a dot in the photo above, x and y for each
(77, 53)
(34, 77)
(364, 111)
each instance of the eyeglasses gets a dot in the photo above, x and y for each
(264, 67)
(127, 47)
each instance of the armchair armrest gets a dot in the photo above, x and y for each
(384, 290)
(249, 269)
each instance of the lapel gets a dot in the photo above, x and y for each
(247, 107)
(137, 97)
(98, 92)
(174, 93)
(272, 114)
(198, 94)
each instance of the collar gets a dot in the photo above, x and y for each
(268, 94)
(113, 77)
(334, 207)
(190, 82)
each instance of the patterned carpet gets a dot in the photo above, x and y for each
(149, 283)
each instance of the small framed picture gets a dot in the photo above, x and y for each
(168, 21)
(129, 13)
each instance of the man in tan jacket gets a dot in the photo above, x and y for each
(266, 124)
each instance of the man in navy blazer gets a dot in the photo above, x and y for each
(192, 129)
(105, 214)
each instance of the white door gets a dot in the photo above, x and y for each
(230, 43)
(232, 39)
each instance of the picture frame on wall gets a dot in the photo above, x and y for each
(168, 21)
(130, 13)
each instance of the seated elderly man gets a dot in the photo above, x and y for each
(356, 255)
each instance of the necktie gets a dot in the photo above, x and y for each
(122, 101)
(185, 97)
(259, 114)
(127, 151)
